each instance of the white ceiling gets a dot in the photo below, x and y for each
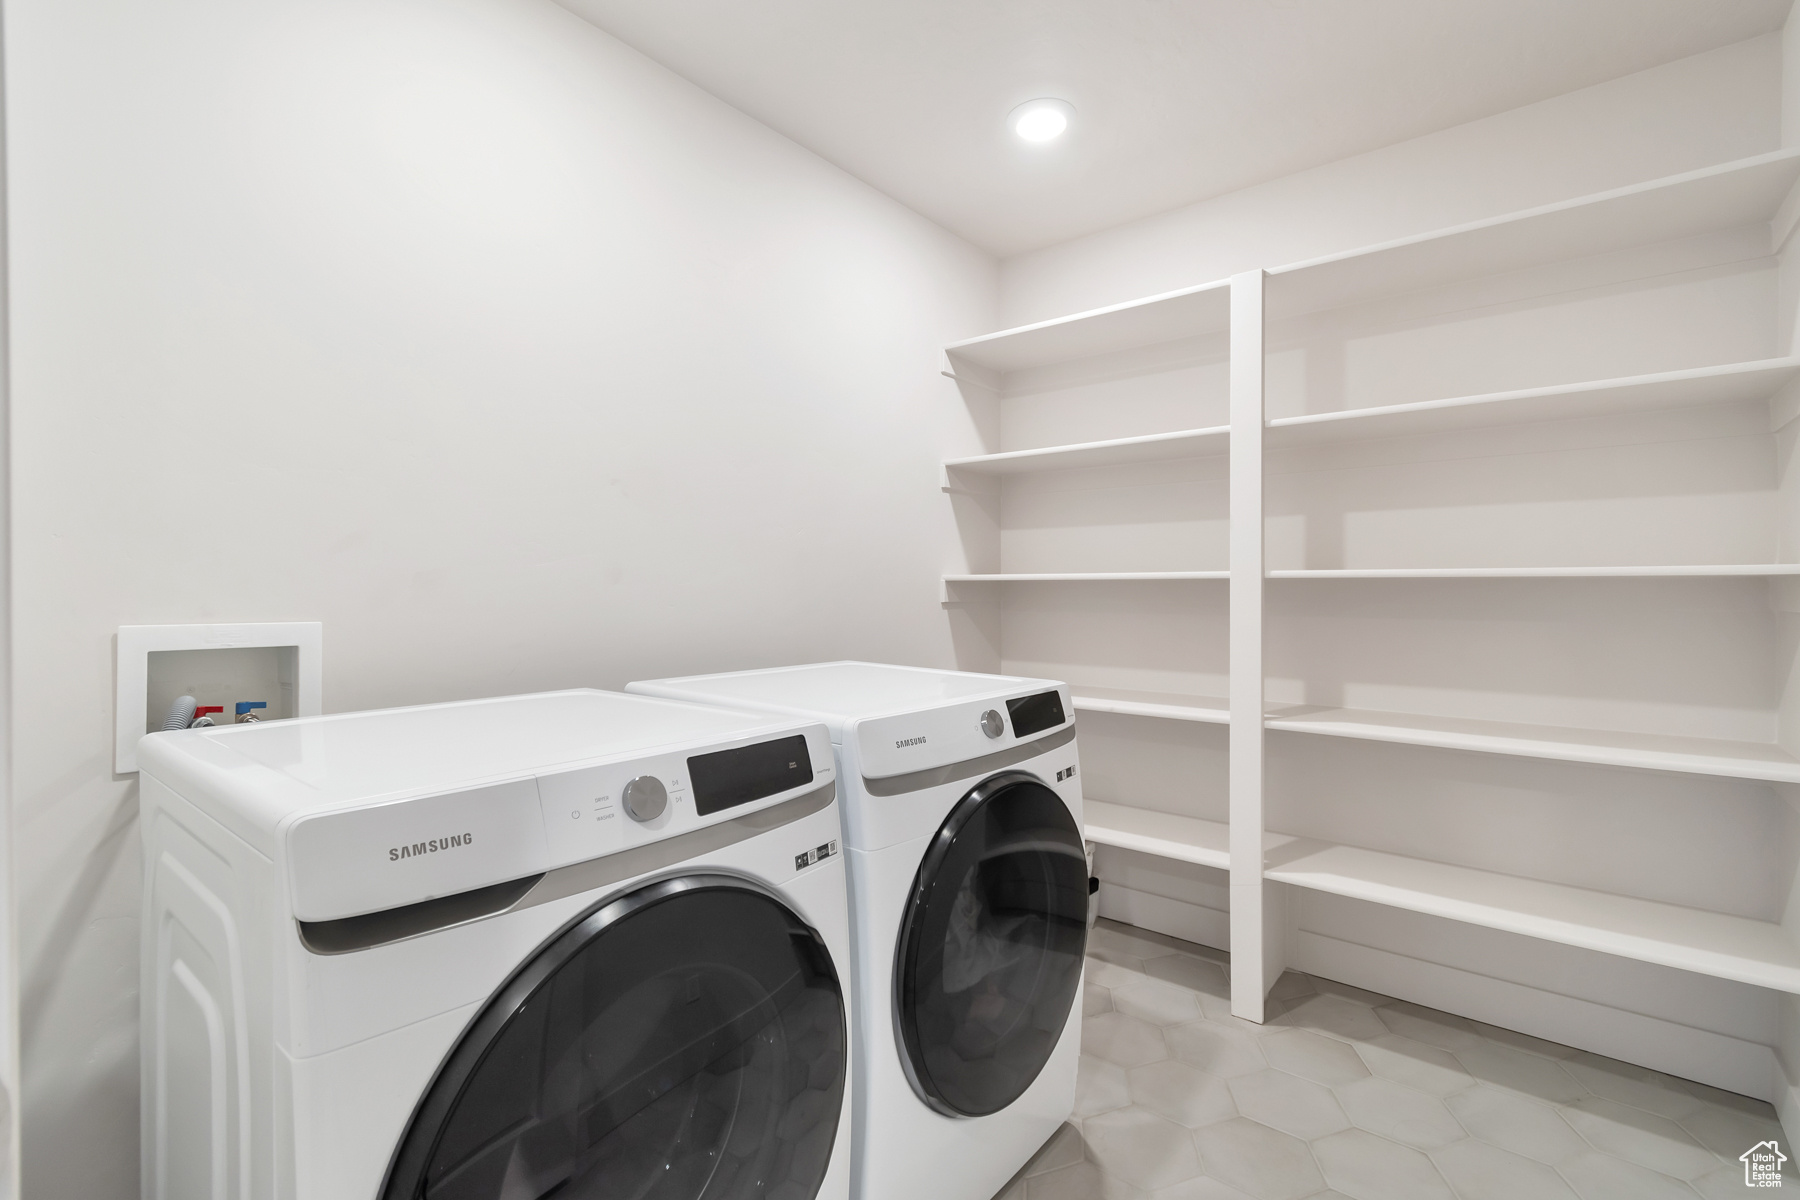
(1176, 100)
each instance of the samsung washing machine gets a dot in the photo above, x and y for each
(580, 944)
(969, 897)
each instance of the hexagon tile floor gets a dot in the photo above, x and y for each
(1347, 1093)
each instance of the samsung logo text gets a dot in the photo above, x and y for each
(901, 745)
(396, 853)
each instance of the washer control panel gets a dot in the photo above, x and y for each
(597, 810)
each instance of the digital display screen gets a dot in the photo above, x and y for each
(727, 778)
(1034, 714)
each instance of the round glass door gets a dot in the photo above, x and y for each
(991, 945)
(685, 1042)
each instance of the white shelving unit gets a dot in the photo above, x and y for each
(1729, 384)
(1624, 451)
(1749, 951)
(1206, 710)
(1111, 330)
(1703, 570)
(1560, 743)
(1732, 195)
(1090, 577)
(1154, 447)
(1604, 747)
(1691, 939)
(1167, 835)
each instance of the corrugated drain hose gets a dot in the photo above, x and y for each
(181, 714)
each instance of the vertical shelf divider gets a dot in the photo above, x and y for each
(1256, 920)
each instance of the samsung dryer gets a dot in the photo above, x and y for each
(968, 877)
(579, 944)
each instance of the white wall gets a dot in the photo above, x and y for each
(454, 324)
(1692, 113)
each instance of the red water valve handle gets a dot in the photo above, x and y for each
(207, 709)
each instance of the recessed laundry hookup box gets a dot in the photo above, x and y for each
(271, 670)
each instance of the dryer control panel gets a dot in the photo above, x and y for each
(953, 733)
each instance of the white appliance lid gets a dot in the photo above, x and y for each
(849, 690)
(350, 757)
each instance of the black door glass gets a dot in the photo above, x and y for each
(991, 946)
(686, 1042)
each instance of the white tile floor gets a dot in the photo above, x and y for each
(1345, 1093)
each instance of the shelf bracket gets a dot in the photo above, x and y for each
(1784, 406)
(951, 485)
(948, 599)
(961, 371)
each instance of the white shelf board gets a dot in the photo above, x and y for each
(1154, 447)
(1704, 569)
(1189, 839)
(1728, 196)
(1701, 570)
(1694, 756)
(1088, 577)
(1725, 384)
(1749, 951)
(1147, 322)
(1603, 747)
(1209, 710)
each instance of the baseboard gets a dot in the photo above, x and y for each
(1787, 1106)
(1787, 1086)
(1748, 1068)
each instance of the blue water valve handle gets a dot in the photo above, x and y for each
(244, 706)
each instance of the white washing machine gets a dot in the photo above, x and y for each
(968, 878)
(579, 944)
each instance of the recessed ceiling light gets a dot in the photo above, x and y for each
(1041, 120)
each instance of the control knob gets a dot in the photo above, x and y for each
(645, 798)
(992, 723)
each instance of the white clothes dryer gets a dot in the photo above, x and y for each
(578, 944)
(968, 877)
